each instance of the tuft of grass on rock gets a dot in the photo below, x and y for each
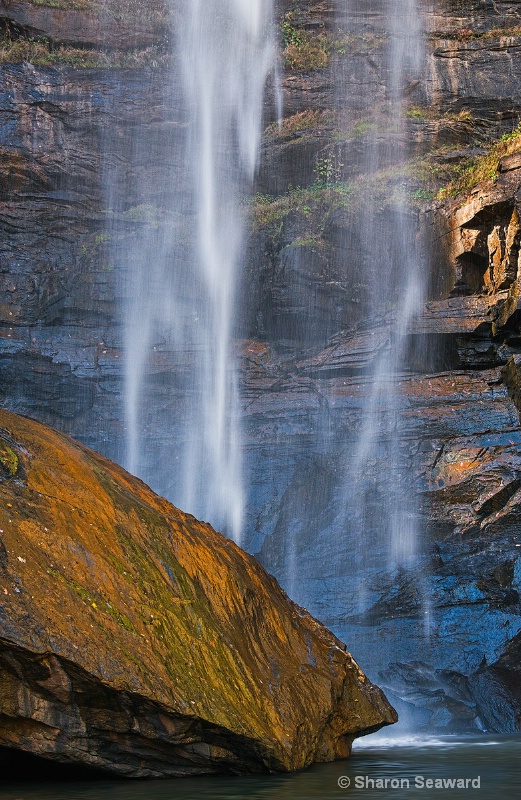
(484, 168)
(307, 52)
(312, 120)
(431, 113)
(315, 201)
(40, 52)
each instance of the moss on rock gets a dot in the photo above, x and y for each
(114, 581)
(9, 461)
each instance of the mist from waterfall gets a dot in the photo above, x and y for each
(381, 514)
(185, 273)
(381, 418)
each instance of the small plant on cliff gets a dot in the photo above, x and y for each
(314, 203)
(422, 195)
(484, 168)
(290, 34)
(309, 54)
(304, 50)
(328, 170)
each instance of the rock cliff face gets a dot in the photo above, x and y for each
(61, 296)
(458, 613)
(121, 25)
(307, 342)
(137, 640)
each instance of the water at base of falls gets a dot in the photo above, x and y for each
(491, 759)
(185, 275)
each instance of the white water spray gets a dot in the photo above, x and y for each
(225, 48)
(385, 514)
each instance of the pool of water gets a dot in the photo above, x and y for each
(489, 766)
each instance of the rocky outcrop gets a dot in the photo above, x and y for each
(479, 236)
(122, 24)
(135, 639)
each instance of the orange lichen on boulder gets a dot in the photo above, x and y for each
(137, 639)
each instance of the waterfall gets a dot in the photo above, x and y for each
(184, 274)
(381, 515)
(395, 282)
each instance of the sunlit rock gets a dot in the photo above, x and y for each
(135, 639)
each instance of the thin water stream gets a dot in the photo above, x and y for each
(379, 514)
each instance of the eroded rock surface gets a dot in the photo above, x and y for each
(136, 639)
(123, 24)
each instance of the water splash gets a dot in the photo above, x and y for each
(381, 742)
(185, 283)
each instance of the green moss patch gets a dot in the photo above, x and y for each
(9, 461)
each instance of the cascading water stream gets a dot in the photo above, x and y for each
(394, 250)
(184, 295)
(381, 514)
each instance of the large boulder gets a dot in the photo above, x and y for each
(136, 639)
